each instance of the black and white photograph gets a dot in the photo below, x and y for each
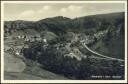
(73, 41)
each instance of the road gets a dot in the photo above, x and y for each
(98, 54)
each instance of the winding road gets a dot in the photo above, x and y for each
(98, 54)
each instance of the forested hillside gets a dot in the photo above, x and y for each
(58, 44)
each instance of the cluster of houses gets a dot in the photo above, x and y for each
(81, 37)
(75, 53)
(17, 50)
(29, 38)
(100, 34)
(87, 39)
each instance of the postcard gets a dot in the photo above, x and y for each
(64, 41)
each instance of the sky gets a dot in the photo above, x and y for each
(38, 11)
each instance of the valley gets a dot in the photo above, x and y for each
(61, 48)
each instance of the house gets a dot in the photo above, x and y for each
(17, 53)
(45, 40)
(73, 55)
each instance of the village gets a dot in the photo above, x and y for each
(22, 41)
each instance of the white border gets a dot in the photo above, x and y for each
(60, 81)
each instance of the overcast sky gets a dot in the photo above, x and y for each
(37, 11)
